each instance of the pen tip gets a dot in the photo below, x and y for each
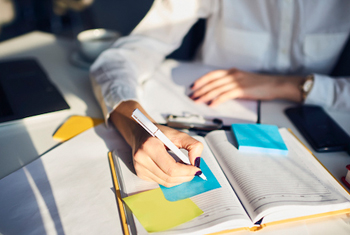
(203, 176)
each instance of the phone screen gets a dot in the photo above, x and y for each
(318, 128)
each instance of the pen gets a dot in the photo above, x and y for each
(155, 132)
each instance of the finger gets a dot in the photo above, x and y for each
(193, 146)
(156, 151)
(208, 78)
(229, 95)
(213, 84)
(165, 181)
(150, 176)
(147, 169)
(164, 166)
(214, 93)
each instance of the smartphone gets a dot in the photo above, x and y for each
(318, 128)
(194, 122)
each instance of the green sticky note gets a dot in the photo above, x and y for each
(156, 214)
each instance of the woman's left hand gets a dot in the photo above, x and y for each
(221, 85)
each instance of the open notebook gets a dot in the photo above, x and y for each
(257, 189)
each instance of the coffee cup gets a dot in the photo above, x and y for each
(93, 41)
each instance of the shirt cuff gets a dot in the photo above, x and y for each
(322, 92)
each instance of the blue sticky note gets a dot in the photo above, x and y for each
(259, 138)
(193, 187)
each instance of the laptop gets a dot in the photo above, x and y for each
(26, 90)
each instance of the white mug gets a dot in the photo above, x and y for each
(93, 41)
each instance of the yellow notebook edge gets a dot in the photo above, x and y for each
(297, 219)
(118, 196)
(318, 160)
(308, 217)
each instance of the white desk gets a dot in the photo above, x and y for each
(22, 142)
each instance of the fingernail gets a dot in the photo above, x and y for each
(198, 173)
(197, 162)
(190, 94)
(191, 85)
(196, 98)
(209, 102)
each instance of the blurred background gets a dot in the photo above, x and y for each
(66, 18)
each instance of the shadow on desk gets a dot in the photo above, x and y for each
(29, 203)
(27, 194)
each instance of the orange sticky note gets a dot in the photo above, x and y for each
(74, 126)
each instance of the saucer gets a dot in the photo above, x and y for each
(77, 60)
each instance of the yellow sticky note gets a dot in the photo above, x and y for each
(156, 214)
(74, 126)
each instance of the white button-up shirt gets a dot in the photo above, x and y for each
(296, 37)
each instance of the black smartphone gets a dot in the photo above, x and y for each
(318, 128)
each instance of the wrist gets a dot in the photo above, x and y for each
(126, 125)
(289, 88)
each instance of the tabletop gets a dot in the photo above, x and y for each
(23, 141)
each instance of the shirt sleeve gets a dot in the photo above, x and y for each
(333, 93)
(118, 71)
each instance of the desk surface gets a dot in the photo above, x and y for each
(24, 141)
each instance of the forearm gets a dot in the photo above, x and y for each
(118, 71)
(220, 85)
(122, 120)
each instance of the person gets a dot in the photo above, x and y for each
(267, 50)
(7, 12)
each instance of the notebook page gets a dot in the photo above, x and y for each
(268, 183)
(221, 207)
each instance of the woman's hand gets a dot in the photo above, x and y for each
(151, 160)
(221, 85)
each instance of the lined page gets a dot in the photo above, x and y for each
(268, 183)
(221, 207)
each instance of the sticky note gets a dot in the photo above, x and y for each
(193, 187)
(260, 138)
(156, 214)
(74, 126)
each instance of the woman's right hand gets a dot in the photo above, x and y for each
(151, 160)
